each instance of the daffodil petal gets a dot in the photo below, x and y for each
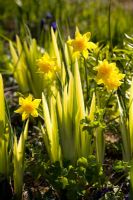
(85, 54)
(25, 116)
(29, 98)
(34, 113)
(69, 42)
(46, 55)
(77, 33)
(19, 110)
(36, 103)
(76, 54)
(87, 35)
(21, 99)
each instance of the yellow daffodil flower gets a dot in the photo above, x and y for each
(113, 82)
(28, 107)
(109, 75)
(81, 44)
(47, 64)
(104, 70)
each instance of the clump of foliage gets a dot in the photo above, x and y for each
(74, 92)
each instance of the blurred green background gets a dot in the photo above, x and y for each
(89, 15)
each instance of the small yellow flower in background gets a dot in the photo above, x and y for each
(81, 44)
(28, 107)
(104, 70)
(109, 75)
(47, 64)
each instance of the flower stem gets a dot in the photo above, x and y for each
(87, 87)
(109, 26)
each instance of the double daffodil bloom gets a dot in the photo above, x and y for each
(109, 75)
(81, 44)
(28, 107)
(113, 82)
(47, 64)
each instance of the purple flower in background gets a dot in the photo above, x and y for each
(48, 15)
(54, 26)
(42, 23)
(127, 197)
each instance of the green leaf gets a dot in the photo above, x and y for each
(18, 161)
(131, 117)
(2, 108)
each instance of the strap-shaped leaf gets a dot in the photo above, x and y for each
(2, 108)
(131, 117)
(18, 160)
